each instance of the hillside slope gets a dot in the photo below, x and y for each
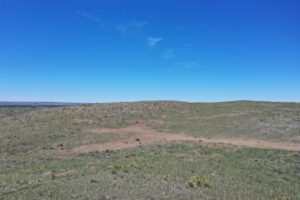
(92, 151)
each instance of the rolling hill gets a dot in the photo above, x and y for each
(150, 150)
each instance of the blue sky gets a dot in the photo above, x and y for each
(117, 50)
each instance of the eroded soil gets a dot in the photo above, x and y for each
(141, 135)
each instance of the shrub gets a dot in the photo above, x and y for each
(199, 181)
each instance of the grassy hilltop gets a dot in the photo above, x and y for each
(151, 150)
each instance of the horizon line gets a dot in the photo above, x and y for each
(136, 101)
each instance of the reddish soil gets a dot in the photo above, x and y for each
(141, 135)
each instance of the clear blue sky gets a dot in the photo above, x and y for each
(127, 50)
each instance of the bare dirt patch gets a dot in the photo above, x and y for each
(253, 143)
(139, 134)
(139, 129)
(54, 175)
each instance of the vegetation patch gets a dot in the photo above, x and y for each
(36, 159)
(198, 181)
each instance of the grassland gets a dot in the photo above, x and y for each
(37, 159)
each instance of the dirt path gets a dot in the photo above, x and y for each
(254, 143)
(141, 135)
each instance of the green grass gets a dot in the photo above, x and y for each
(31, 137)
(160, 171)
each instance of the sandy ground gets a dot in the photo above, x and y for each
(141, 135)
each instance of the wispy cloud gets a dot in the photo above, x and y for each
(169, 54)
(138, 24)
(121, 28)
(152, 41)
(88, 16)
(131, 26)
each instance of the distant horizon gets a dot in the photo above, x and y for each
(116, 51)
(135, 101)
